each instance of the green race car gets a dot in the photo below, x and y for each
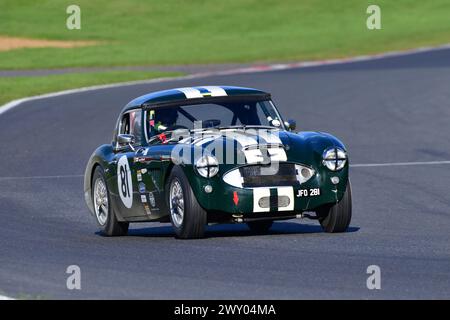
(215, 154)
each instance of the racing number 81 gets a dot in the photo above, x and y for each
(124, 182)
(124, 178)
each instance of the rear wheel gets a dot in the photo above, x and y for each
(260, 227)
(336, 218)
(187, 216)
(104, 214)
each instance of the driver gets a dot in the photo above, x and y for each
(165, 119)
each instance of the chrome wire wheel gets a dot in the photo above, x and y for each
(176, 203)
(101, 204)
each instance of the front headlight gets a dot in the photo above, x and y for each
(334, 159)
(207, 166)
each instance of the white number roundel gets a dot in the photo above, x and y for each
(124, 182)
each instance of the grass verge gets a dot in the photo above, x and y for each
(18, 87)
(136, 32)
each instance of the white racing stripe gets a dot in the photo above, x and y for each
(259, 193)
(269, 136)
(264, 192)
(245, 140)
(287, 192)
(194, 92)
(277, 154)
(204, 140)
(191, 93)
(255, 155)
(215, 91)
(242, 138)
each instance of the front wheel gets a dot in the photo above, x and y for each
(187, 216)
(337, 217)
(106, 218)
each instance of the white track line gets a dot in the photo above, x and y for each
(359, 165)
(6, 298)
(392, 164)
(12, 104)
(43, 177)
(255, 69)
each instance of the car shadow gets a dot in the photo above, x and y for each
(235, 230)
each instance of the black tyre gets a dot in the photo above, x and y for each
(187, 216)
(337, 217)
(260, 227)
(104, 213)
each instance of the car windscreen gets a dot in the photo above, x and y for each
(212, 115)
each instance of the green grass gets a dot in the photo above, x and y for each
(165, 32)
(17, 87)
(140, 32)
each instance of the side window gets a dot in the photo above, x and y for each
(125, 124)
(131, 124)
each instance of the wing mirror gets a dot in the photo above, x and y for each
(291, 125)
(124, 140)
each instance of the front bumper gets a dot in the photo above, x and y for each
(247, 201)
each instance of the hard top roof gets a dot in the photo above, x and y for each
(185, 94)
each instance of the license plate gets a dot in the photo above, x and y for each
(311, 192)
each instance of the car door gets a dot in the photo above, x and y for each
(129, 177)
(150, 165)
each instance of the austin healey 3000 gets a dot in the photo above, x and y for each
(215, 154)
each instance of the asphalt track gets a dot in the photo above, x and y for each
(391, 110)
